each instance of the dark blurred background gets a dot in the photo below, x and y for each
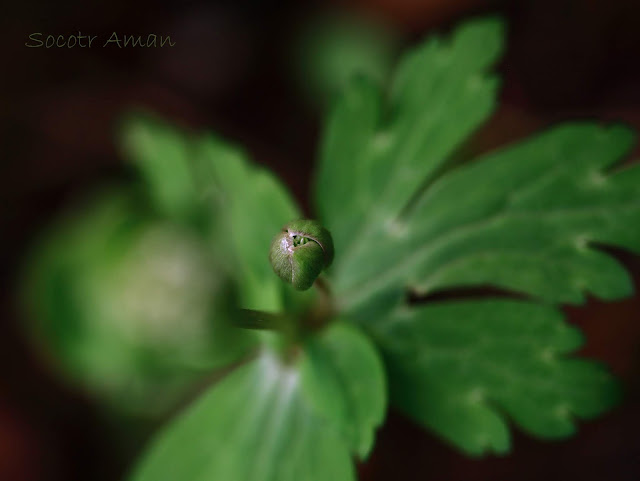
(234, 70)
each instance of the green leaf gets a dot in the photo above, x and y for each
(524, 218)
(201, 179)
(529, 218)
(252, 206)
(264, 421)
(462, 368)
(345, 380)
(374, 156)
(532, 224)
(253, 425)
(161, 154)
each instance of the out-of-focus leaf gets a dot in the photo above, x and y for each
(161, 153)
(464, 368)
(333, 49)
(209, 181)
(270, 420)
(345, 380)
(251, 206)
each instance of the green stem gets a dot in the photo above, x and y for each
(251, 319)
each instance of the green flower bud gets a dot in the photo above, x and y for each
(300, 252)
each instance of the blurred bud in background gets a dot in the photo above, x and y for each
(336, 46)
(130, 304)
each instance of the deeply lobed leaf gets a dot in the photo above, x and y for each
(462, 368)
(375, 156)
(528, 226)
(528, 218)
